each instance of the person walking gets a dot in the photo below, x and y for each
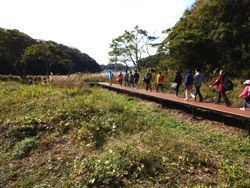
(136, 78)
(178, 81)
(198, 79)
(160, 79)
(148, 79)
(220, 88)
(44, 79)
(110, 77)
(246, 95)
(188, 85)
(131, 79)
(120, 78)
(126, 79)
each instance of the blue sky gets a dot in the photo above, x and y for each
(89, 25)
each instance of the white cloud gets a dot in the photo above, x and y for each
(89, 25)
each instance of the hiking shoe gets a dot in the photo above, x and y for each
(243, 109)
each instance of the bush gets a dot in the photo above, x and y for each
(22, 148)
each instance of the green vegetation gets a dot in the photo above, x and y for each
(67, 134)
(211, 35)
(131, 46)
(21, 55)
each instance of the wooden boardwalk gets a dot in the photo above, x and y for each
(166, 98)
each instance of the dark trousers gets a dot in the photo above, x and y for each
(148, 86)
(176, 90)
(126, 83)
(222, 94)
(197, 91)
(246, 102)
(131, 83)
(120, 82)
(159, 85)
(136, 83)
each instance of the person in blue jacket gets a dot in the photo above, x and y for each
(110, 77)
(188, 86)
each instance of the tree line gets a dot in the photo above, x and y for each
(22, 55)
(211, 35)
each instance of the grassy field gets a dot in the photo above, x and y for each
(66, 134)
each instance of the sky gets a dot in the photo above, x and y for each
(89, 25)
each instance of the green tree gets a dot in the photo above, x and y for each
(12, 46)
(131, 46)
(213, 34)
(49, 54)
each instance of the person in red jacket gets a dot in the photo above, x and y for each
(246, 95)
(220, 88)
(120, 78)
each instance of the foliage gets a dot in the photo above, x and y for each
(22, 55)
(131, 46)
(12, 46)
(75, 136)
(47, 53)
(21, 148)
(211, 35)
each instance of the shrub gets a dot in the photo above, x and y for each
(22, 148)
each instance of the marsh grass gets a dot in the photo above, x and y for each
(66, 134)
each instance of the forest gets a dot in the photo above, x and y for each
(211, 35)
(22, 55)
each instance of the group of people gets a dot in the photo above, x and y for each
(128, 78)
(34, 80)
(190, 81)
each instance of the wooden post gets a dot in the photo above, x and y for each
(194, 113)
(247, 127)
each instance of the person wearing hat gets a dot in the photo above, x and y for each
(159, 80)
(246, 95)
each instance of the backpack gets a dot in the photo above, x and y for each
(228, 84)
(148, 76)
(161, 78)
(131, 77)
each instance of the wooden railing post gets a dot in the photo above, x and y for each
(247, 127)
(194, 112)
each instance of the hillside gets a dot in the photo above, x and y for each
(66, 134)
(22, 55)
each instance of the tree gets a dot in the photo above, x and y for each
(212, 35)
(12, 45)
(131, 46)
(48, 53)
(82, 62)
